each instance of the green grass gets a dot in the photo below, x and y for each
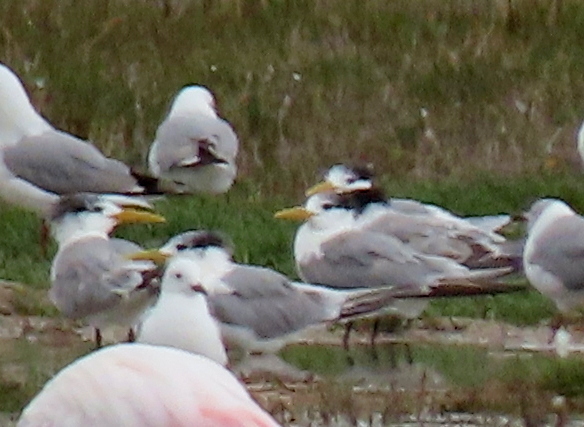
(25, 369)
(308, 83)
(245, 214)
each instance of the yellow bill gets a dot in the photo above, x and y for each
(133, 216)
(321, 187)
(294, 214)
(154, 255)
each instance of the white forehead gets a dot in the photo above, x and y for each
(129, 201)
(171, 245)
(109, 208)
(318, 202)
(114, 203)
(193, 98)
(550, 208)
(344, 178)
(184, 271)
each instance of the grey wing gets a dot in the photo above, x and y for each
(560, 250)
(423, 234)
(123, 246)
(179, 138)
(62, 164)
(409, 206)
(265, 302)
(87, 278)
(364, 259)
(256, 282)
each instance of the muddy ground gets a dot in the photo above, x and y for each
(439, 371)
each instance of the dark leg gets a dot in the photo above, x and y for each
(375, 331)
(409, 355)
(131, 335)
(97, 338)
(348, 327)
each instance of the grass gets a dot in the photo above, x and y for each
(471, 105)
(441, 380)
(309, 83)
(246, 216)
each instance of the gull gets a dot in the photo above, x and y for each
(181, 316)
(426, 228)
(264, 310)
(331, 248)
(91, 277)
(554, 253)
(38, 162)
(136, 385)
(194, 148)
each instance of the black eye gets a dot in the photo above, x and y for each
(328, 206)
(181, 247)
(351, 180)
(178, 275)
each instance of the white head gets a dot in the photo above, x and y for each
(18, 117)
(342, 179)
(345, 179)
(320, 207)
(187, 277)
(193, 100)
(80, 214)
(197, 240)
(327, 213)
(547, 210)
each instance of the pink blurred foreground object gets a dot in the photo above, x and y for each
(140, 385)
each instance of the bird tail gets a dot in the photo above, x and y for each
(369, 301)
(463, 288)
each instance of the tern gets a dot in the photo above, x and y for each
(264, 310)
(426, 228)
(332, 248)
(91, 277)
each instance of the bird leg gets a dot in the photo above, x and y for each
(375, 331)
(348, 327)
(131, 335)
(409, 355)
(98, 339)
